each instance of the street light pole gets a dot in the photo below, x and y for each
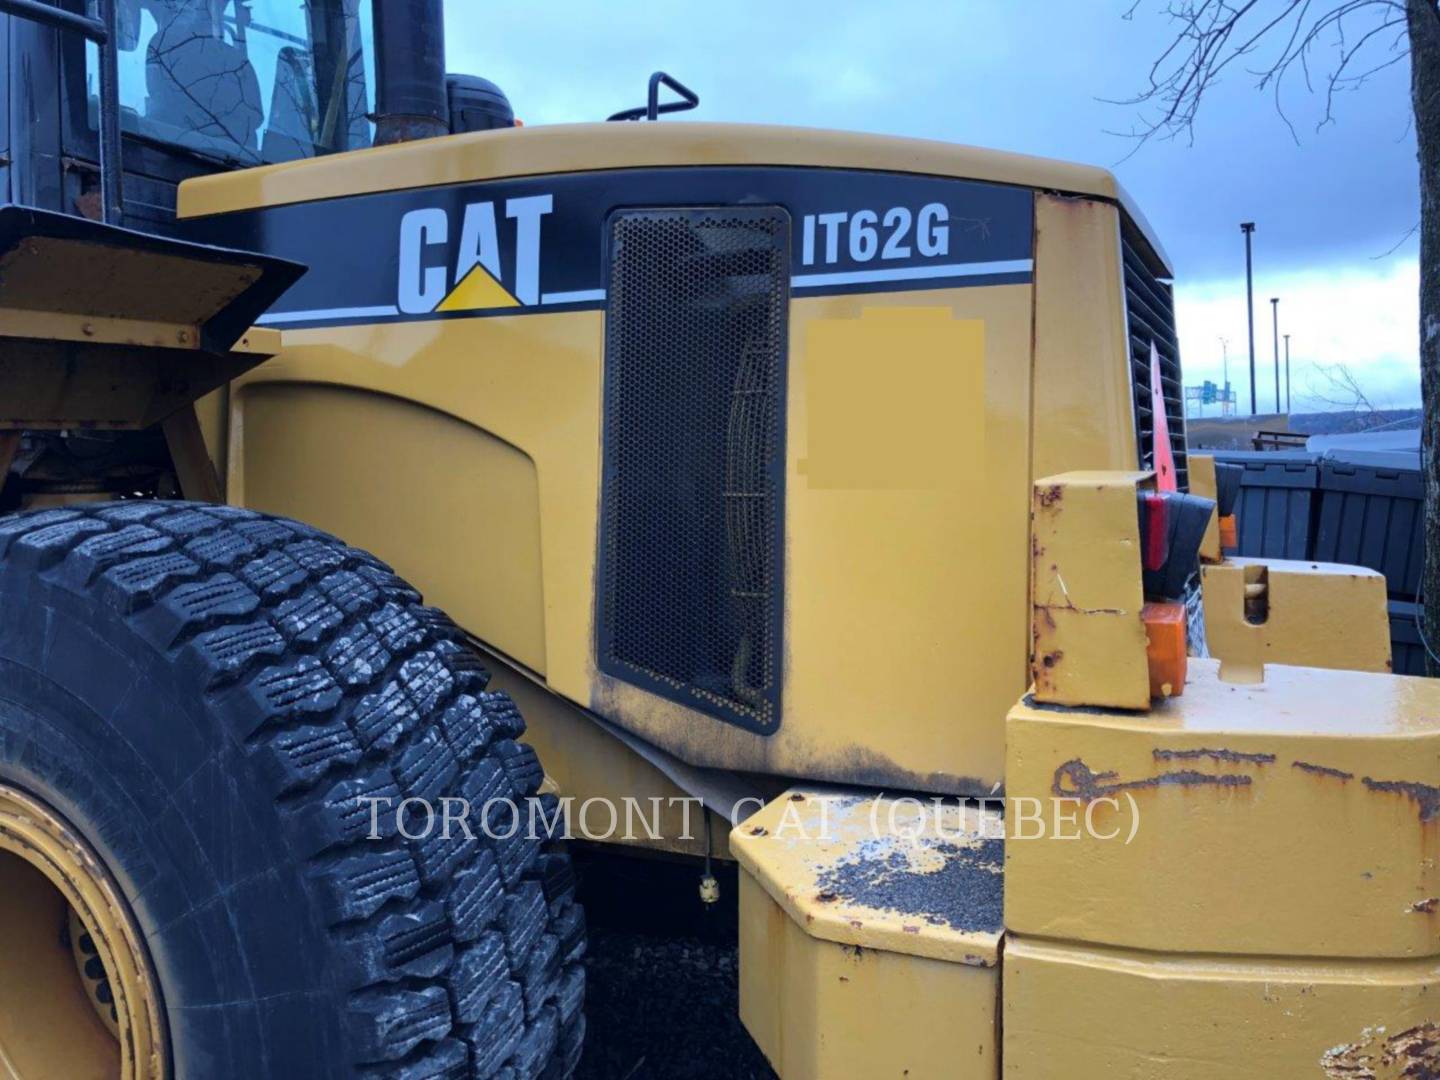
(1248, 227)
(1275, 323)
(1225, 365)
(1287, 373)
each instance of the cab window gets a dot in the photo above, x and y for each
(244, 81)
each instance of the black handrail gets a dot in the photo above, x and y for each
(50, 15)
(102, 32)
(652, 109)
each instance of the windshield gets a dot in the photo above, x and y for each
(246, 81)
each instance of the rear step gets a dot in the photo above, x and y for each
(104, 327)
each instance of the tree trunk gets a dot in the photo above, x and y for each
(1424, 26)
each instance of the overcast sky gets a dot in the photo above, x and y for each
(1033, 76)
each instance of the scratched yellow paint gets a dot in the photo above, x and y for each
(1286, 818)
(1087, 635)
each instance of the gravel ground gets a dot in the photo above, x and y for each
(661, 970)
(664, 1008)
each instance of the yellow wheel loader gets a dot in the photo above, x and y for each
(832, 487)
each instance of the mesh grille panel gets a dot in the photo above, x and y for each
(692, 493)
(1150, 312)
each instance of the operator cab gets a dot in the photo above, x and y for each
(214, 85)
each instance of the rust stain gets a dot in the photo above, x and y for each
(1089, 785)
(1050, 496)
(1425, 796)
(1219, 754)
(1322, 770)
(1412, 1054)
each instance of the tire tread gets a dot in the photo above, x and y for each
(458, 955)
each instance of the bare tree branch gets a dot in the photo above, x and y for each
(1337, 387)
(1398, 243)
(1359, 38)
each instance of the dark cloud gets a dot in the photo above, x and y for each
(1027, 77)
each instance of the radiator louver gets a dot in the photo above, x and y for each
(1150, 314)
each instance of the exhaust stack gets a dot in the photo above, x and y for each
(410, 94)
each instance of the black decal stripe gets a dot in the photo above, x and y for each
(352, 243)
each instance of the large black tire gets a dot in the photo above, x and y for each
(207, 693)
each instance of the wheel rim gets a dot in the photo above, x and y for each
(53, 1014)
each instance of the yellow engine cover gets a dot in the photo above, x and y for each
(442, 392)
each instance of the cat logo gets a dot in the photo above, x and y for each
(426, 281)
